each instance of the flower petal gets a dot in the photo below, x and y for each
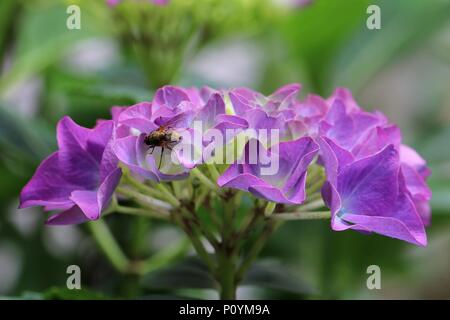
(48, 186)
(73, 215)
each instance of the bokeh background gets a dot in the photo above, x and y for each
(122, 54)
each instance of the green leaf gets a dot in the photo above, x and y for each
(8, 13)
(23, 141)
(42, 39)
(405, 25)
(189, 273)
(273, 275)
(440, 201)
(317, 32)
(58, 293)
(434, 147)
(27, 295)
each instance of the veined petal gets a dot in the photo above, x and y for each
(48, 186)
(170, 96)
(138, 116)
(73, 215)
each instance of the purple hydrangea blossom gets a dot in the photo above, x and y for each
(351, 141)
(287, 185)
(176, 109)
(279, 102)
(369, 186)
(79, 179)
(374, 183)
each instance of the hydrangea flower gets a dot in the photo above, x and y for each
(351, 142)
(79, 179)
(374, 183)
(175, 109)
(369, 188)
(287, 185)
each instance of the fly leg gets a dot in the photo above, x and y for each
(160, 158)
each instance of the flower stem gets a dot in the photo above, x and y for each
(303, 215)
(143, 212)
(204, 179)
(143, 187)
(195, 240)
(316, 204)
(269, 208)
(144, 200)
(168, 195)
(108, 245)
(213, 171)
(227, 279)
(165, 257)
(255, 249)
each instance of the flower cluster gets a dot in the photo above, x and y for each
(373, 182)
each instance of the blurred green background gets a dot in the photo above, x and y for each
(122, 54)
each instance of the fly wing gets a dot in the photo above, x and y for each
(180, 120)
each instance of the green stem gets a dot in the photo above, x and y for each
(255, 249)
(269, 208)
(144, 200)
(227, 227)
(165, 257)
(168, 195)
(215, 174)
(313, 205)
(315, 185)
(227, 254)
(227, 273)
(208, 235)
(142, 212)
(204, 179)
(200, 197)
(108, 244)
(143, 187)
(303, 215)
(195, 240)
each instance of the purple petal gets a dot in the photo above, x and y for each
(240, 105)
(346, 97)
(372, 198)
(73, 215)
(79, 168)
(214, 107)
(285, 96)
(138, 116)
(93, 202)
(370, 184)
(412, 158)
(415, 183)
(333, 157)
(287, 185)
(88, 203)
(181, 120)
(70, 135)
(78, 165)
(404, 224)
(259, 119)
(98, 138)
(47, 187)
(170, 96)
(377, 139)
(125, 150)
